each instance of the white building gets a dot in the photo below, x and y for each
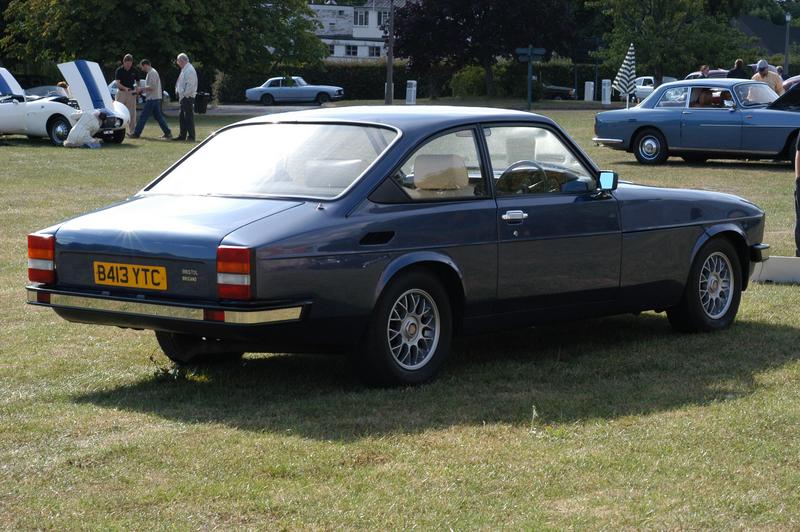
(353, 32)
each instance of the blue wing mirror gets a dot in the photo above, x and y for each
(608, 181)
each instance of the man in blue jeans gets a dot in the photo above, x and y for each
(152, 101)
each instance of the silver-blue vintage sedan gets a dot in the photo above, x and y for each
(292, 89)
(705, 119)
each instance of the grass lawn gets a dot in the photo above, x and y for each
(606, 423)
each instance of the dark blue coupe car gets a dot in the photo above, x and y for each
(384, 231)
(704, 119)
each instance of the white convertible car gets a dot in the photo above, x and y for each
(53, 116)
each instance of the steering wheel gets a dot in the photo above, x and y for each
(530, 187)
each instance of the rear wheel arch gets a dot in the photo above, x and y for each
(441, 268)
(635, 135)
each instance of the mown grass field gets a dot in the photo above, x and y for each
(602, 424)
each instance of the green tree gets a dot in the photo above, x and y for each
(243, 35)
(670, 36)
(480, 32)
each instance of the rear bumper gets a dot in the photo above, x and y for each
(164, 309)
(611, 143)
(273, 326)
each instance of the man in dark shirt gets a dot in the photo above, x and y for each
(125, 77)
(739, 71)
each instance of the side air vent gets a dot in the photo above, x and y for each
(377, 239)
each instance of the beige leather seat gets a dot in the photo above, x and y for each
(437, 176)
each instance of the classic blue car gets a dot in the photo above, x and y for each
(292, 89)
(705, 119)
(384, 231)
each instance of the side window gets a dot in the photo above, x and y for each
(674, 97)
(274, 83)
(534, 160)
(447, 168)
(710, 98)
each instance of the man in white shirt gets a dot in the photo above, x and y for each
(186, 89)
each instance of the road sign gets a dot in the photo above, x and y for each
(533, 51)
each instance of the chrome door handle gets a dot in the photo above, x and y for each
(514, 216)
(686, 112)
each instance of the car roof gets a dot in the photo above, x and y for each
(404, 118)
(717, 82)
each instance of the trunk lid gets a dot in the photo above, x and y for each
(154, 245)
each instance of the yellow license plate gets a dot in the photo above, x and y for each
(130, 275)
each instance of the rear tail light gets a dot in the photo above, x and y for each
(41, 258)
(233, 272)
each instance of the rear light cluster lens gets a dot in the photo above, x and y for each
(233, 272)
(41, 258)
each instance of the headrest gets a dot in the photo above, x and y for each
(705, 98)
(440, 172)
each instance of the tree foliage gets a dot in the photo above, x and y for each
(461, 32)
(670, 35)
(235, 34)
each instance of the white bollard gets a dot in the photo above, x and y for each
(606, 92)
(411, 92)
(588, 91)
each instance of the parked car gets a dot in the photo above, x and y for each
(705, 119)
(44, 91)
(292, 89)
(112, 88)
(645, 85)
(554, 92)
(384, 231)
(53, 114)
(715, 73)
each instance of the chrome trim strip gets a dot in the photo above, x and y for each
(263, 316)
(719, 150)
(599, 140)
(240, 317)
(126, 307)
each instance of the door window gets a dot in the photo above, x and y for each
(534, 160)
(446, 168)
(674, 97)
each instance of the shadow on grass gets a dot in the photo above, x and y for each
(598, 369)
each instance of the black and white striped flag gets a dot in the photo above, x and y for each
(624, 82)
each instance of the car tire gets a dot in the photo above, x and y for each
(117, 137)
(58, 129)
(267, 99)
(189, 350)
(409, 334)
(323, 97)
(694, 159)
(650, 147)
(713, 291)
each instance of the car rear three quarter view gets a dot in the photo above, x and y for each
(382, 232)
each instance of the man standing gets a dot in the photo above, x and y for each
(770, 78)
(186, 89)
(152, 102)
(703, 71)
(739, 71)
(126, 78)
